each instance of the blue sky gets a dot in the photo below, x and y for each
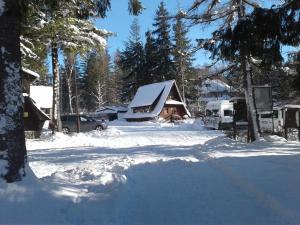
(118, 21)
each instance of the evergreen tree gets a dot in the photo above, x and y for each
(162, 29)
(182, 54)
(295, 65)
(95, 81)
(115, 82)
(226, 14)
(151, 59)
(132, 62)
(255, 40)
(121, 95)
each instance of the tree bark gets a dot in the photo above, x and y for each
(70, 67)
(249, 95)
(12, 139)
(56, 121)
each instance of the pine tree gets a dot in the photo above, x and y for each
(151, 59)
(132, 62)
(182, 53)
(95, 80)
(34, 51)
(162, 29)
(295, 65)
(119, 95)
(227, 13)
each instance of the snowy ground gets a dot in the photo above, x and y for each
(147, 173)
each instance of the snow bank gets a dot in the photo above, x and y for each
(155, 173)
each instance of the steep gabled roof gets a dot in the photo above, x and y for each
(146, 95)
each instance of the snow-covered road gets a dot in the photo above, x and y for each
(95, 158)
(148, 173)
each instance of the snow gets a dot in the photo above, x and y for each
(32, 73)
(42, 95)
(173, 102)
(12, 95)
(2, 6)
(147, 94)
(38, 109)
(215, 85)
(155, 173)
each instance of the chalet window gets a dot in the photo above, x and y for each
(266, 116)
(275, 114)
(227, 112)
(144, 109)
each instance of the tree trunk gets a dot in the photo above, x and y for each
(249, 95)
(12, 139)
(69, 84)
(70, 67)
(56, 121)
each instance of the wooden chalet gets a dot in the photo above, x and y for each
(157, 101)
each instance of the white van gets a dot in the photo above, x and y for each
(271, 122)
(219, 114)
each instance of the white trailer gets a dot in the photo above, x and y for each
(219, 114)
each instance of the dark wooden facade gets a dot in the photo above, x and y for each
(33, 117)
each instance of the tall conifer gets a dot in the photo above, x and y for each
(162, 29)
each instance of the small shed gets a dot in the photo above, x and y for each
(157, 101)
(34, 118)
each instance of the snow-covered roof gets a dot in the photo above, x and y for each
(36, 107)
(292, 106)
(117, 108)
(146, 95)
(40, 111)
(214, 85)
(30, 72)
(42, 95)
(112, 109)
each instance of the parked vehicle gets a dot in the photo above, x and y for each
(219, 114)
(271, 121)
(69, 123)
